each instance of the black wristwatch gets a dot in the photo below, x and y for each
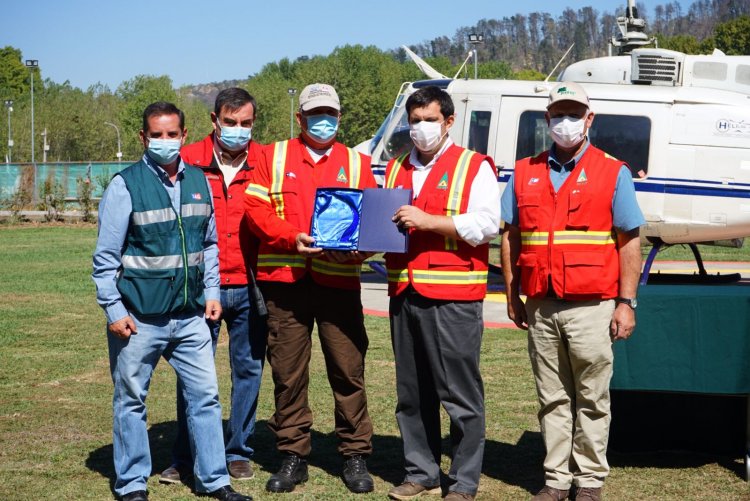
(632, 302)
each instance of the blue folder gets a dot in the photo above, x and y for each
(347, 219)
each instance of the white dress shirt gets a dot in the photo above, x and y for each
(481, 222)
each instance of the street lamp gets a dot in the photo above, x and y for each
(475, 39)
(31, 64)
(291, 91)
(9, 105)
(119, 149)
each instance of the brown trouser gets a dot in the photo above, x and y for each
(292, 310)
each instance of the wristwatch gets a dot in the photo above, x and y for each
(632, 302)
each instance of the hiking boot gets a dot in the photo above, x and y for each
(551, 494)
(240, 470)
(458, 496)
(411, 490)
(355, 475)
(589, 494)
(293, 471)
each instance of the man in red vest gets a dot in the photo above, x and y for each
(227, 156)
(303, 284)
(571, 245)
(437, 290)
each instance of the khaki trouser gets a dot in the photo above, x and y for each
(292, 310)
(571, 356)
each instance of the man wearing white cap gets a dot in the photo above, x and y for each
(303, 284)
(571, 246)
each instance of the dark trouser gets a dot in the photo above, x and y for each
(436, 346)
(292, 310)
(247, 349)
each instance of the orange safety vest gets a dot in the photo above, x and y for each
(439, 267)
(568, 236)
(293, 179)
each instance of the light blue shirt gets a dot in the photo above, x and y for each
(626, 214)
(114, 219)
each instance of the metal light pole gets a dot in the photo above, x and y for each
(31, 64)
(291, 91)
(9, 105)
(119, 149)
(475, 39)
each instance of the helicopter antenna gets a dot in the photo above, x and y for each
(558, 63)
(632, 33)
(471, 53)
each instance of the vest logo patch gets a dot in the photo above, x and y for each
(443, 184)
(291, 175)
(341, 178)
(196, 196)
(533, 180)
(582, 177)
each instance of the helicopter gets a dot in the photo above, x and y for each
(681, 122)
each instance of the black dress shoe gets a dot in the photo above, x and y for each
(356, 477)
(226, 493)
(293, 471)
(135, 496)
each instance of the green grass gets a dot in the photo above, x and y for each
(55, 401)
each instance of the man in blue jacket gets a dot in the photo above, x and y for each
(156, 275)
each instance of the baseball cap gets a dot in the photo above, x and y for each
(568, 91)
(319, 95)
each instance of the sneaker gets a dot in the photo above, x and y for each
(175, 474)
(293, 471)
(551, 494)
(411, 490)
(240, 470)
(589, 494)
(355, 474)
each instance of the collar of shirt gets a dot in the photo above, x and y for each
(414, 156)
(316, 155)
(570, 164)
(159, 170)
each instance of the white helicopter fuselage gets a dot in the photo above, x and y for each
(685, 134)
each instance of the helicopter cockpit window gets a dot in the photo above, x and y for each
(626, 137)
(398, 141)
(479, 131)
(743, 74)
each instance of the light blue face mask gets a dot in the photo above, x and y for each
(164, 151)
(234, 138)
(322, 127)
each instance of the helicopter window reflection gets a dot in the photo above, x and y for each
(626, 137)
(399, 141)
(479, 131)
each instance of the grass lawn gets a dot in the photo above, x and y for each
(55, 401)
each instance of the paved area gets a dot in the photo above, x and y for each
(375, 296)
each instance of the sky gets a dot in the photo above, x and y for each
(110, 41)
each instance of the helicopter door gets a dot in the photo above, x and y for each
(477, 121)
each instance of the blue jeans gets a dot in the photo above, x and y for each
(184, 341)
(247, 349)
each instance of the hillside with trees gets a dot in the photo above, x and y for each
(367, 78)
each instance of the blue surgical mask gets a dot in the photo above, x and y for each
(234, 138)
(322, 127)
(164, 151)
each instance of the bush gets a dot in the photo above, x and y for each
(52, 200)
(85, 199)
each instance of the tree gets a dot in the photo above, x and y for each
(733, 37)
(136, 94)
(14, 76)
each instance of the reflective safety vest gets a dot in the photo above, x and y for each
(439, 267)
(162, 262)
(290, 179)
(567, 238)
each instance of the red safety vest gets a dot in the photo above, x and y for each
(280, 200)
(568, 236)
(438, 267)
(238, 246)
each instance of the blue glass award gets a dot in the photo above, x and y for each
(335, 221)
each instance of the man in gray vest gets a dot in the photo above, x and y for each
(156, 275)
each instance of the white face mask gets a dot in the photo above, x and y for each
(426, 135)
(567, 131)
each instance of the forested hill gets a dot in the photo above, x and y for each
(537, 41)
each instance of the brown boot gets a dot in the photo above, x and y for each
(240, 470)
(589, 494)
(410, 490)
(551, 494)
(458, 496)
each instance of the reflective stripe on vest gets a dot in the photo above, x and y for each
(160, 262)
(281, 260)
(338, 269)
(280, 150)
(455, 195)
(449, 277)
(566, 237)
(398, 276)
(355, 168)
(391, 181)
(258, 191)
